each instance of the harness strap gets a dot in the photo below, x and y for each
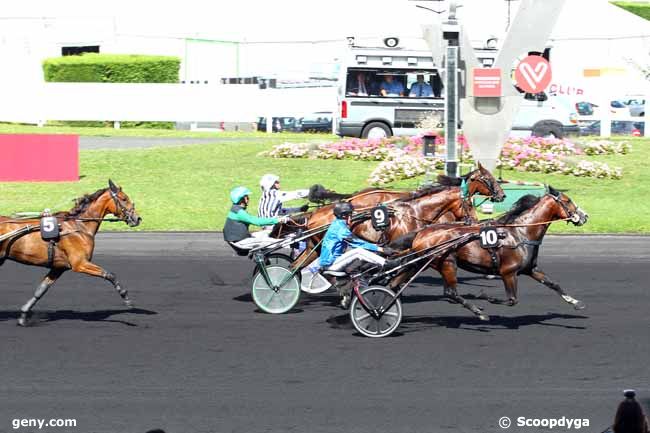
(495, 260)
(50, 253)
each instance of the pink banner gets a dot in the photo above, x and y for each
(39, 158)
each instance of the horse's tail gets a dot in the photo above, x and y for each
(319, 194)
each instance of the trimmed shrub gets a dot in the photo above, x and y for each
(113, 68)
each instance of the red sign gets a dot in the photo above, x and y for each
(39, 158)
(487, 81)
(533, 74)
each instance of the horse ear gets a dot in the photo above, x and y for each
(553, 191)
(112, 186)
(480, 166)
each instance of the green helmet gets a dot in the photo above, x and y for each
(236, 194)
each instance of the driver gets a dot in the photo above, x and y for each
(235, 231)
(271, 203)
(334, 256)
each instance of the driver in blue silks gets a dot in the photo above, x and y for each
(334, 257)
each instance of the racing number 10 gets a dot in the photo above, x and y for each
(489, 237)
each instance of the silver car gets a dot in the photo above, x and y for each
(637, 107)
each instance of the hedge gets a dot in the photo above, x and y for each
(640, 9)
(113, 68)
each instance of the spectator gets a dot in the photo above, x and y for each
(629, 416)
(358, 85)
(421, 89)
(391, 87)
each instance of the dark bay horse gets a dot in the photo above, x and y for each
(74, 249)
(522, 230)
(412, 210)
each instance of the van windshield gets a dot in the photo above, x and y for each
(393, 83)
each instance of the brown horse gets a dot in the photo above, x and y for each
(521, 231)
(412, 210)
(74, 249)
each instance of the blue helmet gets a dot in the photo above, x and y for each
(237, 193)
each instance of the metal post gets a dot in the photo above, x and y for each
(451, 109)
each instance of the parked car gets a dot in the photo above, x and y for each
(541, 115)
(618, 128)
(280, 124)
(585, 108)
(636, 107)
(316, 122)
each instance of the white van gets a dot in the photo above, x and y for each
(364, 112)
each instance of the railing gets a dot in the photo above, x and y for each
(158, 102)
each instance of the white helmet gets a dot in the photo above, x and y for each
(268, 180)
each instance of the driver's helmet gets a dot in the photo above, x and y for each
(237, 193)
(267, 181)
(343, 209)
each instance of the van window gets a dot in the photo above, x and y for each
(403, 83)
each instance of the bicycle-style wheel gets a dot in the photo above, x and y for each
(364, 322)
(276, 298)
(274, 259)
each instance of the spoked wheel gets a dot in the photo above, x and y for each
(274, 259)
(277, 298)
(374, 298)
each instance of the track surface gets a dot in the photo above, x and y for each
(197, 357)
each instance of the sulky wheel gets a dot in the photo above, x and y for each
(374, 298)
(276, 299)
(274, 259)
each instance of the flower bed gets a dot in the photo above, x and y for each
(401, 157)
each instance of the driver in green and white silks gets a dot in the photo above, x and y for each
(235, 230)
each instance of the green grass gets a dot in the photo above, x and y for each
(640, 9)
(14, 128)
(186, 188)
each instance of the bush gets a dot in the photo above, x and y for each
(113, 68)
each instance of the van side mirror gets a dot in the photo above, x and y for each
(541, 97)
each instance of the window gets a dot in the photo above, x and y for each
(393, 83)
(76, 51)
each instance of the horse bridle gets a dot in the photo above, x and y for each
(574, 216)
(485, 181)
(127, 214)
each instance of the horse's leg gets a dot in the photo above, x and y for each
(89, 268)
(25, 310)
(449, 272)
(540, 276)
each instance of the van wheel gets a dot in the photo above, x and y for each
(548, 129)
(376, 130)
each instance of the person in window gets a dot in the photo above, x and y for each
(358, 85)
(629, 416)
(391, 87)
(421, 89)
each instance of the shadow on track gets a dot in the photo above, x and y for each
(497, 323)
(84, 316)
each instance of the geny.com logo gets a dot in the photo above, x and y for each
(41, 423)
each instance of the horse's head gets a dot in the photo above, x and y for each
(566, 208)
(122, 206)
(481, 181)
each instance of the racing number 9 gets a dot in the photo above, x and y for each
(380, 217)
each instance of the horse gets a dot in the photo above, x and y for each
(21, 242)
(412, 210)
(521, 231)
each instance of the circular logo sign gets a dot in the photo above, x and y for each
(533, 74)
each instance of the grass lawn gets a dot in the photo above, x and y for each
(186, 188)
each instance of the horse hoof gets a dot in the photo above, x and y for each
(579, 305)
(345, 302)
(23, 321)
(484, 317)
(129, 303)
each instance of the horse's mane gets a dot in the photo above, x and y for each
(520, 206)
(427, 190)
(450, 181)
(82, 203)
(320, 194)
